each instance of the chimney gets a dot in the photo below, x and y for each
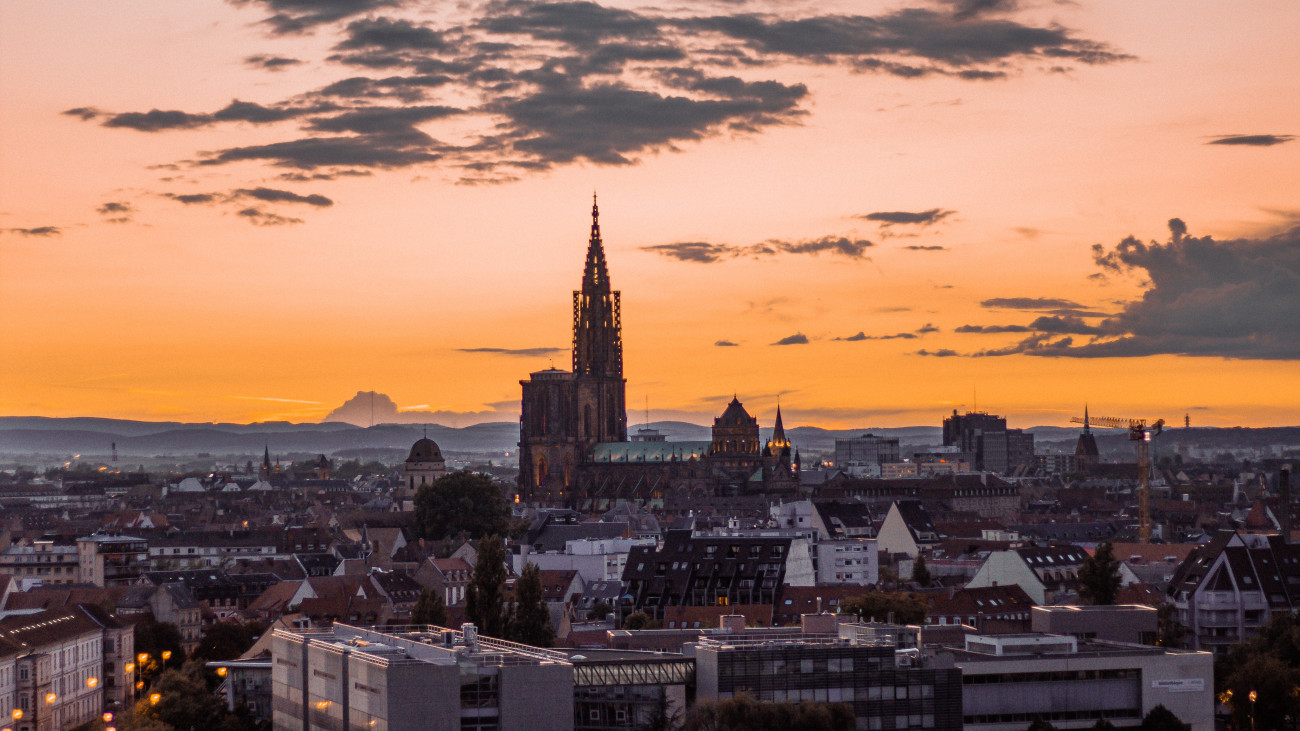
(1284, 492)
(732, 623)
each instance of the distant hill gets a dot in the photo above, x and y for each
(30, 435)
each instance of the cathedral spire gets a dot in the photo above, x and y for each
(1085, 418)
(595, 277)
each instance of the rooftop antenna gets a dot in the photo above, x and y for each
(647, 412)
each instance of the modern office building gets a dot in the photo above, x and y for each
(862, 456)
(1009, 680)
(353, 678)
(887, 688)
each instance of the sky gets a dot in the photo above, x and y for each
(875, 212)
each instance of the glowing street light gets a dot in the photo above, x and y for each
(92, 682)
(108, 716)
(167, 654)
(50, 697)
(143, 657)
(154, 698)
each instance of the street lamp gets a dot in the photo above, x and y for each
(1253, 696)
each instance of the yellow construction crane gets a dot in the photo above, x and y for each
(1140, 432)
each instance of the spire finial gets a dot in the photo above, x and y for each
(1085, 418)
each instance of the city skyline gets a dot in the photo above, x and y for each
(252, 210)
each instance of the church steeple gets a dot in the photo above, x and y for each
(598, 348)
(595, 276)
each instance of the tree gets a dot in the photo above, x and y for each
(530, 621)
(663, 716)
(599, 610)
(153, 639)
(1272, 680)
(182, 699)
(883, 606)
(1099, 576)
(227, 640)
(1163, 719)
(920, 574)
(743, 713)
(429, 609)
(1103, 725)
(461, 502)
(483, 600)
(1040, 724)
(639, 620)
(1169, 631)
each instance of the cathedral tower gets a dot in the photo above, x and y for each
(598, 349)
(564, 414)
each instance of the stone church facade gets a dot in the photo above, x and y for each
(573, 443)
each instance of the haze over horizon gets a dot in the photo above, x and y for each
(245, 211)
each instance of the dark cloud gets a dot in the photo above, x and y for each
(962, 9)
(930, 35)
(1236, 299)
(332, 175)
(391, 35)
(1062, 325)
(702, 252)
(907, 218)
(526, 352)
(940, 353)
(925, 248)
(116, 211)
(1251, 140)
(157, 120)
(313, 152)
(578, 24)
(39, 231)
(796, 339)
(927, 328)
(300, 16)
(271, 63)
(85, 114)
(860, 336)
(1029, 303)
(606, 123)
(992, 329)
(726, 344)
(253, 113)
(384, 120)
(190, 199)
(271, 195)
(258, 217)
(408, 89)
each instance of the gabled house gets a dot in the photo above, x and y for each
(1227, 588)
(906, 529)
(1046, 574)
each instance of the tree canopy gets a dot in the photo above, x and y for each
(461, 503)
(1099, 576)
(227, 640)
(530, 621)
(880, 606)
(429, 609)
(920, 574)
(483, 598)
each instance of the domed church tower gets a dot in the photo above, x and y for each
(424, 465)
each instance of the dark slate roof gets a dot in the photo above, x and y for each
(552, 537)
(1095, 531)
(852, 515)
(1052, 557)
(915, 516)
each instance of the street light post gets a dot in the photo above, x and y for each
(1253, 695)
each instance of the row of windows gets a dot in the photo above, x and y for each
(1053, 716)
(1066, 676)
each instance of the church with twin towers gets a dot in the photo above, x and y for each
(573, 440)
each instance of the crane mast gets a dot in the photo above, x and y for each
(1138, 432)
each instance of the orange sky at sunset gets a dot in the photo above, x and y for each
(250, 210)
